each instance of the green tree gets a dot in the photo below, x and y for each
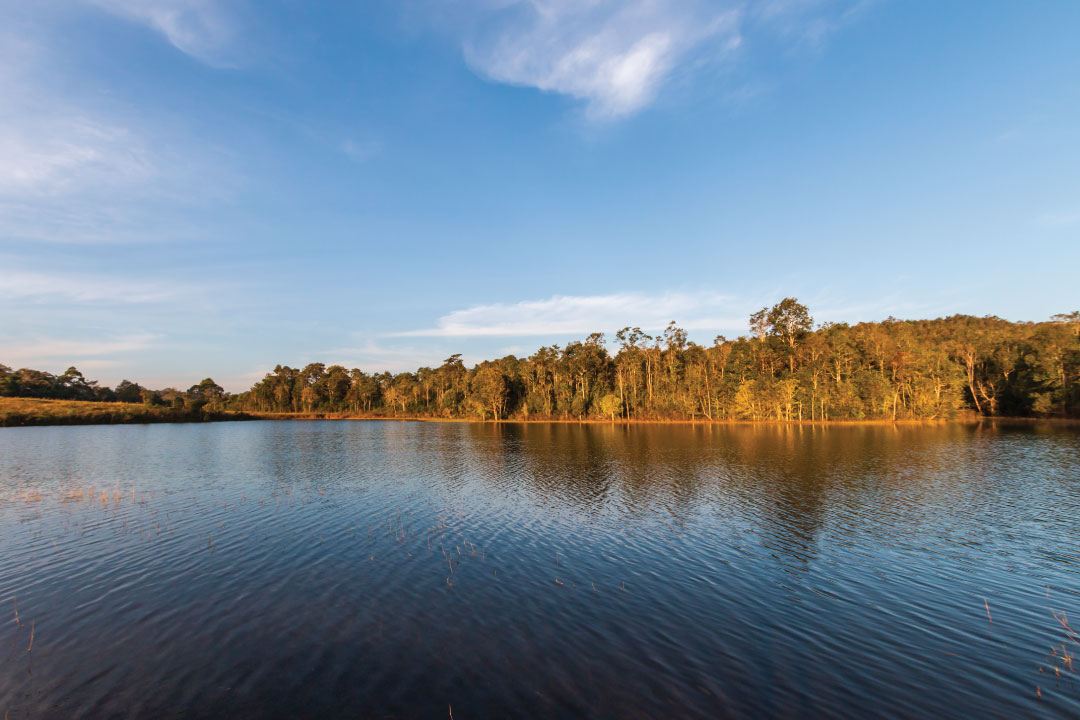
(489, 391)
(609, 405)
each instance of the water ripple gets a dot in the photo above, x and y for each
(393, 569)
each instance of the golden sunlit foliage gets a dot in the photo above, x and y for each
(785, 370)
(38, 411)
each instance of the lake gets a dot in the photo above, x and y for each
(396, 569)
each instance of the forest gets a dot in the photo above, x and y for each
(785, 369)
(72, 385)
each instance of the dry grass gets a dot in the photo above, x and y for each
(1063, 655)
(37, 411)
(1065, 658)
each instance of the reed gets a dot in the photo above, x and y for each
(1063, 658)
(1063, 620)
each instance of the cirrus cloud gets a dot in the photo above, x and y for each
(581, 314)
(612, 54)
(81, 288)
(199, 28)
(616, 55)
(46, 351)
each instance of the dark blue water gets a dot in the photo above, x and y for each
(367, 569)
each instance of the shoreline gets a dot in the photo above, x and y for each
(45, 412)
(637, 421)
(38, 412)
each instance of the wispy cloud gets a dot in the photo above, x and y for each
(370, 356)
(25, 285)
(49, 145)
(616, 55)
(576, 316)
(809, 23)
(199, 28)
(46, 351)
(582, 314)
(52, 153)
(613, 54)
(76, 170)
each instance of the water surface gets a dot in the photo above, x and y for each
(383, 569)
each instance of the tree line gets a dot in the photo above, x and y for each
(784, 369)
(73, 385)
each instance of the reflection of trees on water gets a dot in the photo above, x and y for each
(593, 469)
(783, 484)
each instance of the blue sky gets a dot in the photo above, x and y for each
(211, 187)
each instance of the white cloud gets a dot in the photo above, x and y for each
(809, 22)
(49, 145)
(577, 316)
(52, 153)
(199, 28)
(76, 170)
(24, 285)
(616, 55)
(43, 351)
(583, 314)
(372, 357)
(613, 54)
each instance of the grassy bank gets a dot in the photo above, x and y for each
(15, 412)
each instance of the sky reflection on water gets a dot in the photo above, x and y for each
(284, 569)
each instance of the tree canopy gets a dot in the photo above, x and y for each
(785, 369)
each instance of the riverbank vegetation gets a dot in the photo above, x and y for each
(786, 369)
(16, 412)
